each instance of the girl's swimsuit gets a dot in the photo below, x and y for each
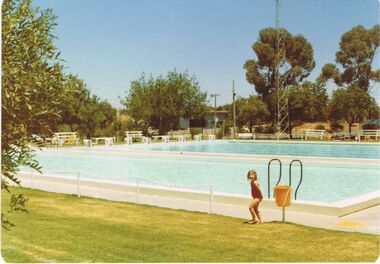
(255, 191)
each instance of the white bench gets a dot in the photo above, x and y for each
(245, 136)
(134, 134)
(165, 138)
(181, 138)
(181, 135)
(37, 138)
(87, 143)
(308, 133)
(146, 140)
(128, 140)
(211, 137)
(62, 137)
(367, 134)
(108, 141)
(198, 137)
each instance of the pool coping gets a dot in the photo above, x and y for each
(133, 151)
(339, 208)
(305, 141)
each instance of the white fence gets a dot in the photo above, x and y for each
(136, 185)
(107, 188)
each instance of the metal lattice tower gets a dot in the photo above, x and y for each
(281, 89)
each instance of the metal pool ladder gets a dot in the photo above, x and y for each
(279, 178)
(290, 175)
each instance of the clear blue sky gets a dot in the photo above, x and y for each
(109, 43)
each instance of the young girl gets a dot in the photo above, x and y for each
(257, 198)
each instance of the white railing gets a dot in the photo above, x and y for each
(369, 133)
(78, 178)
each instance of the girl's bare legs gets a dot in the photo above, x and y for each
(256, 209)
(254, 204)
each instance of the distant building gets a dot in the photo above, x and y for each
(373, 123)
(207, 122)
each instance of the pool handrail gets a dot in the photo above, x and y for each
(290, 176)
(279, 178)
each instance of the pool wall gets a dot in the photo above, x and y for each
(281, 148)
(325, 180)
(73, 185)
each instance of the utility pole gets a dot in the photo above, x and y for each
(233, 108)
(215, 118)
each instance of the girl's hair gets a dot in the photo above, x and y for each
(252, 172)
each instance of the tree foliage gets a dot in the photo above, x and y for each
(357, 50)
(85, 113)
(96, 118)
(31, 85)
(295, 60)
(307, 103)
(160, 102)
(37, 97)
(77, 95)
(352, 105)
(251, 111)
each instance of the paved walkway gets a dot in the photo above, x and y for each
(365, 221)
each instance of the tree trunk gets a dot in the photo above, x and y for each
(290, 126)
(290, 130)
(160, 126)
(349, 127)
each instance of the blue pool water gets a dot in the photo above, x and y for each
(322, 181)
(341, 150)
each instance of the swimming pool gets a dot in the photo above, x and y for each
(326, 182)
(342, 150)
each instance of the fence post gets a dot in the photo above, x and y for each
(211, 199)
(78, 184)
(137, 190)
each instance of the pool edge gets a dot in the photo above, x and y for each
(340, 208)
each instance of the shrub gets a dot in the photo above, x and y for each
(196, 130)
(334, 126)
(269, 129)
(64, 128)
(320, 127)
(219, 133)
(370, 126)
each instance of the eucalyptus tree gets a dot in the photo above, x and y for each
(295, 62)
(354, 71)
(357, 52)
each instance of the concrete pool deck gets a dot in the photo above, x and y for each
(364, 221)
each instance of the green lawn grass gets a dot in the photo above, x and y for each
(64, 228)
